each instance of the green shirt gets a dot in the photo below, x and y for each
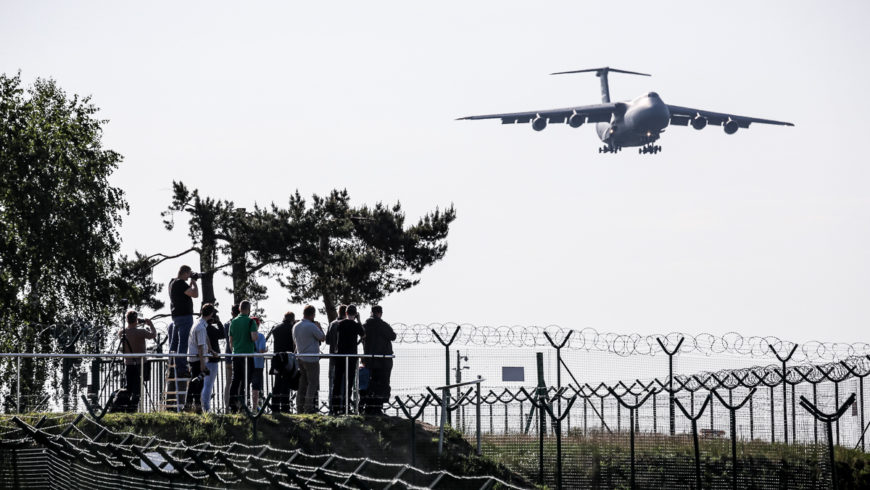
(240, 330)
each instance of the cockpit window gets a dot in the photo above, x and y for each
(653, 95)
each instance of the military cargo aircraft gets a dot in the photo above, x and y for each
(639, 122)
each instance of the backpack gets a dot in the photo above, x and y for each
(284, 363)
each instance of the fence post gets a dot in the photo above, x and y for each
(694, 420)
(783, 360)
(836, 403)
(815, 420)
(828, 419)
(670, 355)
(559, 364)
(732, 417)
(477, 415)
(863, 427)
(413, 419)
(632, 417)
(541, 395)
(256, 414)
(772, 419)
(752, 420)
(546, 409)
(447, 361)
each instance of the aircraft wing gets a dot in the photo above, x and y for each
(681, 116)
(592, 113)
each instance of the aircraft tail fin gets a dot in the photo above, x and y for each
(602, 74)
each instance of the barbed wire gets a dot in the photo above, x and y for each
(587, 339)
(625, 345)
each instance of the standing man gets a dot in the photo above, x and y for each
(234, 311)
(133, 339)
(215, 332)
(197, 349)
(331, 341)
(308, 335)
(181, 296)
(259, 367)
(379, 337)
(243, 335)
(347, 335)
(282, 341)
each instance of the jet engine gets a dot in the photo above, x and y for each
(576, 120)
(539, 123)
(699, 122)
(730, 127)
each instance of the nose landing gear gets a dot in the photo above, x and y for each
(649, 149)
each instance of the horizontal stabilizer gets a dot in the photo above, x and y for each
(599, 71)
(602, 74)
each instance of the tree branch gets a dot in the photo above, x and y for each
(164, 257)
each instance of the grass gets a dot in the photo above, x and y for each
(603, 461)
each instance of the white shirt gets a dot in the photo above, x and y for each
(198, 337)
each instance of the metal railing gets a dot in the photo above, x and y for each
(162, 359)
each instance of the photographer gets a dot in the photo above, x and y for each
(198, 347)
(133, 342)
(181, 296)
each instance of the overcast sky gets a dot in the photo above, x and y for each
(764, 232)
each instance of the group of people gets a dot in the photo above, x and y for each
(296, 348)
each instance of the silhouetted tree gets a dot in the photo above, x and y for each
(340, 253)
(59, 219)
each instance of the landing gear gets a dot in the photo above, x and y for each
(649, 149)
(609, 149)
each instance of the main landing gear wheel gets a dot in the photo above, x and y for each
(609, 149)
(649, 149)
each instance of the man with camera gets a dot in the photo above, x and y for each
(133, 342)
(198, 347)
(181, 294)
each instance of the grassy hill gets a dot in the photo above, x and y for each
(381, 438)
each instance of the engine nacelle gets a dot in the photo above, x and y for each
(699, 122)
(539, 123)
(576, 120)
(730, 127)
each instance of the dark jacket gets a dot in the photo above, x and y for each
(379, 337)
(282, 337)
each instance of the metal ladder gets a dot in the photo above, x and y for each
(174, 389)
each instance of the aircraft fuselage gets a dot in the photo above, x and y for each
(641, 123)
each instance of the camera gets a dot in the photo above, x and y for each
(202, 374)
(195, 275)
